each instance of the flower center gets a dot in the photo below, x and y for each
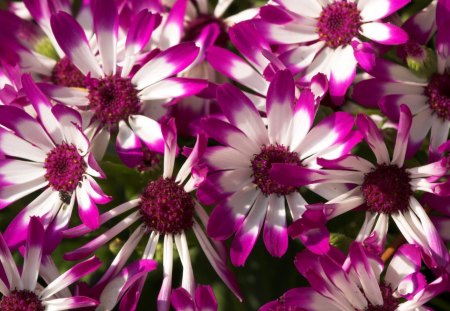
(386, 189)
(412, 49)
(21, 300)
(262, 163)
(113, 98)
(196, 26)
(438, 92)
(338, 23)
(166, 208)
(390, 303)
(66, 74)
(65, 168)
(150, 160)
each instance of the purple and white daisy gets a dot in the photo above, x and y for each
(426, 95)
(384, 190)
(204, 299)
(166, 209)
(357, 283)
(50, 153)
(328, 36)
(238, 180)
(116, 93)
(21, 290)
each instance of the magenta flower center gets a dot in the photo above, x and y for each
(150, 160)
(21, 300)
(66, 74)
(262, 163)
(412, 49)
(438, 92)
(166, 208)
(113, 98)
(386, 189)
(65, 168)
(390, 303)
(338, 23)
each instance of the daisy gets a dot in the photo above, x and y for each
(204, 299)
(392, 84)
(328, 35)
(114, 93)
(357, 284)
(165, 210)
(22, 290)
(384, 190)
(49, 153)
(238, 181)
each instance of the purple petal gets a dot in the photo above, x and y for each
(401, 142)
(242, 113)
(71, 276)
(72, 40)
(311, 230)
(248, 232)
(118, 286)
(280, 100)
(422, 26)
(249, 42)
(373, 137)
(364, 54)
(25, 126)
(226, 217)
(128, 146)
(165, 64)
(343, 73)
(87, 209)
(33, 253)
(384, 33)
(275, 233)
(205, 298)
(234, 67)
(106, 26)
(181, 300)
(43, 108)
(173, 88)
(275, 15)
(376, 10)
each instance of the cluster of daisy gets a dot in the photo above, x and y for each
(293, 118)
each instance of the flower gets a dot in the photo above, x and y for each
(204, 299)
(238, 181)
(22, 290)
(51, 153)
(426, 95)
(125, 83)
(166, 209)
(328, 36)
(357, 284)
(385, 190)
